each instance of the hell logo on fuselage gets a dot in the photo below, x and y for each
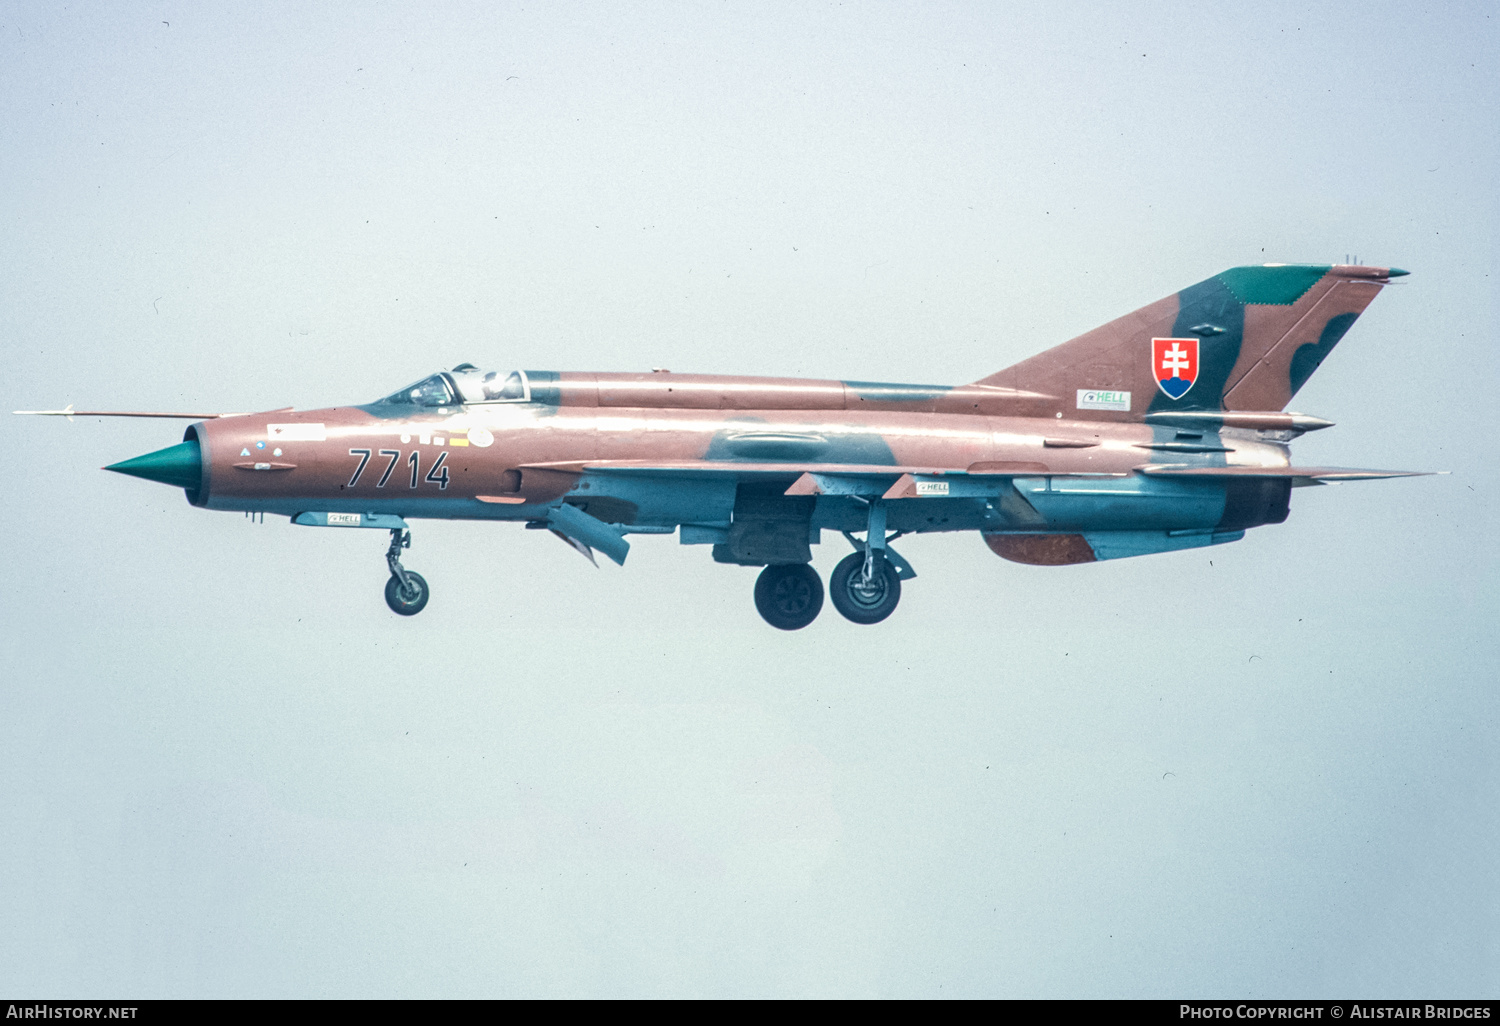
(1174, 361)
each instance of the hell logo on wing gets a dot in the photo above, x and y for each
(1174, 361)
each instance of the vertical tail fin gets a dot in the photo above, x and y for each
(1246, 339)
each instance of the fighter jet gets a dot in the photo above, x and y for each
(1160, 431)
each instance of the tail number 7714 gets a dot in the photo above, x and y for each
(436, 474)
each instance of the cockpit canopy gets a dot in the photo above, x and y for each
(466, 384)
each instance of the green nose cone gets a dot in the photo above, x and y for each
(179, 466)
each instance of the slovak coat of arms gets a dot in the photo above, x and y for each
(1174, 361)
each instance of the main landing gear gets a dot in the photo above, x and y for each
(865, 586)
(406, 592)
(789, 596)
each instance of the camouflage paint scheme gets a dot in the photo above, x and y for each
(1031, 457)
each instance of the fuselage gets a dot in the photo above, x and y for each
(650, 453)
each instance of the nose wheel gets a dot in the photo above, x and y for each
(406, 592)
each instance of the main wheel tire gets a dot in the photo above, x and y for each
(403, 602)
(789, 597)
(864, 601)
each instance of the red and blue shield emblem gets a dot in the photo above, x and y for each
(1174, 361)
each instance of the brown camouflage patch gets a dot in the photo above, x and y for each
(1041, 549)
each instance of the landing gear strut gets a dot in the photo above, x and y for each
(866, 585)
(789, 596)
(406, 592)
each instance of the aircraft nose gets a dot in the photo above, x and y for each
(179, 465)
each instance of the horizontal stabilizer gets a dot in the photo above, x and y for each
(1311, 474)
(1254, 420)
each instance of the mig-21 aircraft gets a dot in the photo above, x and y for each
(1162, 430)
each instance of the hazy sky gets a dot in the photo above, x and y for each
(1265, 769)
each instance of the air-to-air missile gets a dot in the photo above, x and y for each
(1160, 431)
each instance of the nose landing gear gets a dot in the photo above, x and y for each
(406, 592)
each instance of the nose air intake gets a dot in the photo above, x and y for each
(180, 466)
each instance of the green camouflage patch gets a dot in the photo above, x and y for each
(1272, 284)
